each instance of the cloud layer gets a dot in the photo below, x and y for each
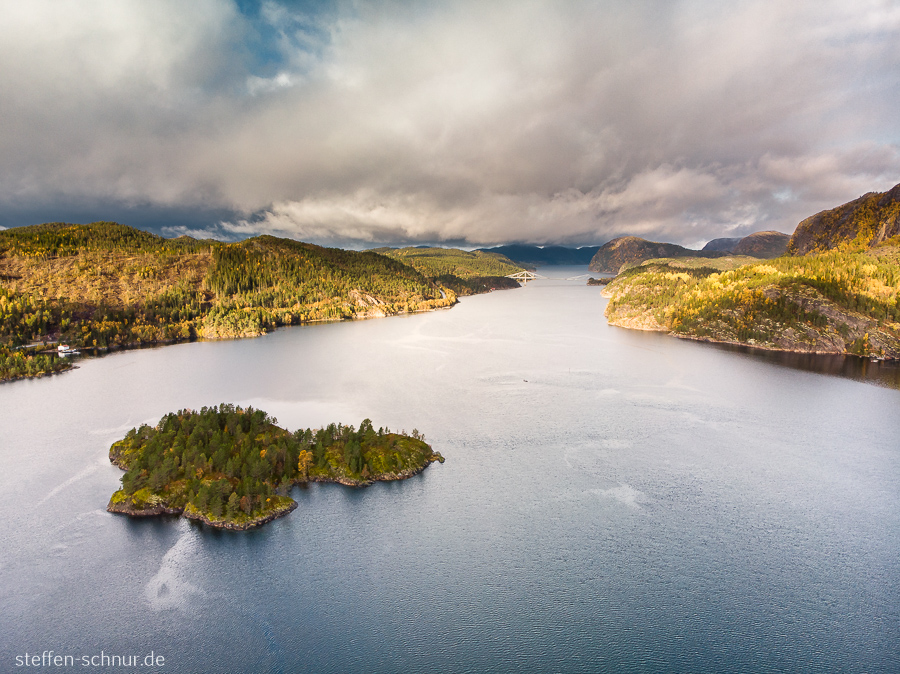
(473, 123)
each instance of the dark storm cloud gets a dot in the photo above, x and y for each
(474, 122)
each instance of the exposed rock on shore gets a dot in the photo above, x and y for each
(232, 468)
(834, 304)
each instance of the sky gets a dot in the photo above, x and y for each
(468, 124)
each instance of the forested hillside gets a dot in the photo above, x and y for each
(834, 302)
(106, 285)
(836, 291)
(865, 222)
(465, 272)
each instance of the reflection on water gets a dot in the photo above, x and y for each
(878, 372)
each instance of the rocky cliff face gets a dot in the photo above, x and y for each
(632, 250)
(866, 221)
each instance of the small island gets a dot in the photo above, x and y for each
(231, 468)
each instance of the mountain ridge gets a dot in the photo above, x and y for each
(765, 245)
(862, 223)
(630, 250)
(538, 256)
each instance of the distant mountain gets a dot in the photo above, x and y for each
(763, 244)
(632, 250)
(760, 244)
(864, 222)
(725, 245)
(537, 256)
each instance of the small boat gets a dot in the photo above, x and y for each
(66, 350)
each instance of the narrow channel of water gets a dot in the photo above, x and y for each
(611, 501)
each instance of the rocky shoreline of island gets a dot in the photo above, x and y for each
(232, 468)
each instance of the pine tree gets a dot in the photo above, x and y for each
(234, 503)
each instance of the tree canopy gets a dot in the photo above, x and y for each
(226, 465)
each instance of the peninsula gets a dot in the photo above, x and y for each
(107, 286)
(837, 290)
(232, 468)
(464, 272)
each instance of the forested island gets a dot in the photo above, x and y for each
(105, 286)
(232, 468)
(837, 290)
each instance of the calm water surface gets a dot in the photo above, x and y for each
(611, 501)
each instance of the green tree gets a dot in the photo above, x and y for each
(234, 503)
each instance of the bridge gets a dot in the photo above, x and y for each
(526, 276)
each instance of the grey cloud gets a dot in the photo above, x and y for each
(213, 232)
(474, 122)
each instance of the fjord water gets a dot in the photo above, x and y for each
(611, 501)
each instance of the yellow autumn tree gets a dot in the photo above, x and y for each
(304, 459)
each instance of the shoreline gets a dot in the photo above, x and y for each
(9, 380)
(760, 347)
(359, 484)
(778, 349)
(99, 351)
(190, 513)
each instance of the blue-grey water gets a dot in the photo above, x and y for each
(611, 501)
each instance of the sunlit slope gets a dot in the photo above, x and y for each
(107, 285)
(466, 272)
(834, 302)
(872, 219)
